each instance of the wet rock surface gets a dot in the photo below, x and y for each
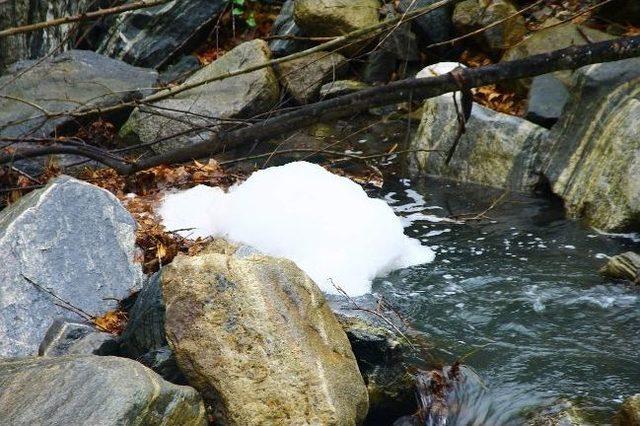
(149, 37)
(256, 337)
(70, 243)
(80, 390)
(498, 150)
(36, 44)
(625, 266)
(629, 413)
(594, 168)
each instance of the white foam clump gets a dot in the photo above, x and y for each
(325, 223)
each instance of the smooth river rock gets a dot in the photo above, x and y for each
(199, 109)
(335, 17)
(93, 390)
(433, 27)
(285, 26)
(70, 80)
(592, 155)
(149, 37)
(35, 44)
(255, 336)
(497, 149)
(625, 266)
(69, 239)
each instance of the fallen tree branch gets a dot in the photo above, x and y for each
(396, 92)
(88, 16)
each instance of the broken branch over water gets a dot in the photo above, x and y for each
(343, 106)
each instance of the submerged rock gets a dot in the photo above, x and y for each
(63, 83)
(149, 37)
(625, 266)
(335, 17)
(201, 110)
(592, 155)
(497, 149)
(93, 390)
(255, 335)
(303, 77)
(69, 240)
(471, 15)
(36, 44)
(563, 413)
(68, 337)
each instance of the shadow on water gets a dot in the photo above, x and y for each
(519, 297)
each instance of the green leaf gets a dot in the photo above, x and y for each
(239, 2)
(251, 21)
(237, 11)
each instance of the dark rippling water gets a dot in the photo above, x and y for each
(520, 295)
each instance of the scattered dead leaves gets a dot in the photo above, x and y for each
(112, 322)
(494, 97)
(143, 192)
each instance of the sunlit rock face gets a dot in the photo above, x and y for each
(325, 223)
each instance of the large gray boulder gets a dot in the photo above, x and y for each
(150, 37)
(35, 44)
(194, 115)
(93, 390)
(67, 243)
(256, 337)
(56, 85)
(335, 17)
(497, 149)
(592, 155)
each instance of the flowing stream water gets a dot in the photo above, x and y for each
(519, 297)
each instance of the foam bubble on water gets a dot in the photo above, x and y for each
(325, 223)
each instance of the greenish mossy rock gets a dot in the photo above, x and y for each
(592, 155)
(497, 149)
(335, 17)
(471, 15)
(563, 413)
(625, 266)
(193, 116)
(303, 77)
(549, 39)
(256, 337)
(93, 390)
(629, 413)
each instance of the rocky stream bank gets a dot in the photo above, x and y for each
(228, 335)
